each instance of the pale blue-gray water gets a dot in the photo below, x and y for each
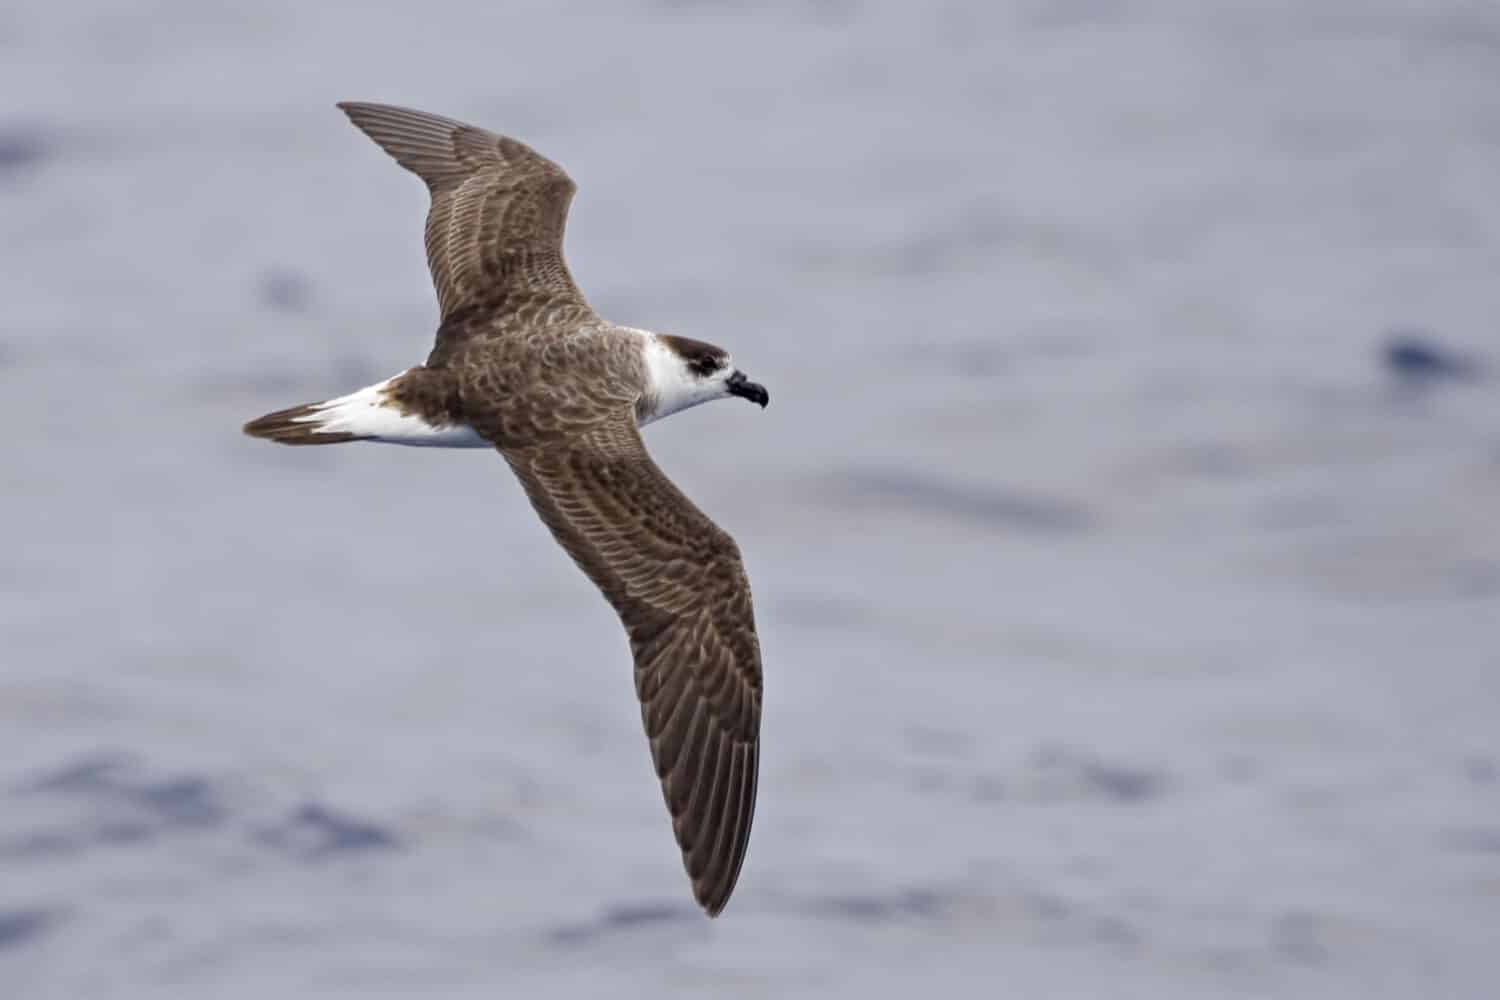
(1123, 528)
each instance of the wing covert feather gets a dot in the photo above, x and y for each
(678, 584)
(494, 231)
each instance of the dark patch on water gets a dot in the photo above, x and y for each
(1481, 770)
(284, 291)
(1417, 359)
(881, 908)
(977, 360)
(17, 927)
(1048, 906)
(120, 807)
(184, 801)
(1117, 934)
(41, 844)
(622, 918)
(1095, 777)
(89, 773)
(1123, 784)
(22, 148)
(187, 800)
(314, 832)
(643, 914)
(1076, 922)
(987, 505)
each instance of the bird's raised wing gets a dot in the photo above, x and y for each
(499, 208)
(676, 580)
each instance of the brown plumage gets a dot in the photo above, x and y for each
(498, 207)
(523, 365)
(676, 580)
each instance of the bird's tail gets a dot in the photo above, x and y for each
(371, 414)
(310, 423)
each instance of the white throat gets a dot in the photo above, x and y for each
(670, 385)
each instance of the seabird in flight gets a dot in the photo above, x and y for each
(522, 365)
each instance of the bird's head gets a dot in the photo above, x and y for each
(682, 372)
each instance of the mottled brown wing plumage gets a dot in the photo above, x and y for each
(499, 208)
(676, 580)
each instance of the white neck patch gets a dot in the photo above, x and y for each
(671, 386)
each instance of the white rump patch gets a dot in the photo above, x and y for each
(369, 414)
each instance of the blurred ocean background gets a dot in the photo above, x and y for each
(1125, 528)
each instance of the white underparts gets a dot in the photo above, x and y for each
(371, 415)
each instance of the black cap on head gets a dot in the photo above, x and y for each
(702, 359)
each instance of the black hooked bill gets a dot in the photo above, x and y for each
(741, 386)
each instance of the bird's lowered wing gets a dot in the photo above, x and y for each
(495, 229)
(676, 580)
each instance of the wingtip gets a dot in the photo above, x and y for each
(712, 898)
(353, 108)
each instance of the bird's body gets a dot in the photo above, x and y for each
(523, 365)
